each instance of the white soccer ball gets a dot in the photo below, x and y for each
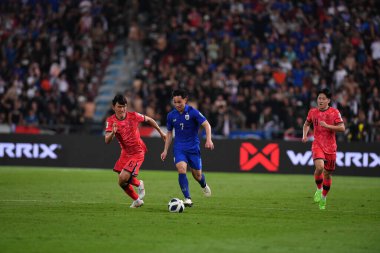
(176, 205)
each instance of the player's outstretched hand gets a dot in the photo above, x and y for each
(209, 144)
(304, 139)
(163, 155)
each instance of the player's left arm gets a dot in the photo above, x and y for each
(111, 130)
(338, 123)
(154, 124)
(336, 128)
(209, 144)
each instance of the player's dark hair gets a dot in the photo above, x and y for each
(119, 99)
(325, 91)
(180, 92)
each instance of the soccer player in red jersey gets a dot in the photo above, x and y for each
(326, 122)
(124, 125)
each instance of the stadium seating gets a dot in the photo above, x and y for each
(251, 66)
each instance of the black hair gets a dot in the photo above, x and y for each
(180, 92)
(119, 99)
(325, 91)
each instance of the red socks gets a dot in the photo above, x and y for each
(134, 181)
(128, 187)
(318, 180)
(131, 192)
(326, 186)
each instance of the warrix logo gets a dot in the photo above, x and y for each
(343, 159)
(250, 156)
(28, 150)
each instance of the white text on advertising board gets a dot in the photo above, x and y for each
(28, 150)
(343, 159)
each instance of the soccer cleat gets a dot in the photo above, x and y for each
(206, 191)
(322, 204)
(141, 190)
(137, 203)
(187, 202)
(318, 195)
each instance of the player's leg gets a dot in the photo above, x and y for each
(319, 163)
(126, 176)
(180, 161)
(327, 178)
(326, 188)
(327, 181)
(195, 163)
(318, 176)
(134, 166)
(183, 182)
(200, 177)
(139, 184)
(123, 176)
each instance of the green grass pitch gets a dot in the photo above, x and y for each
(78, 210)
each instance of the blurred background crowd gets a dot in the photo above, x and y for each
(53, 54)
(253, 67)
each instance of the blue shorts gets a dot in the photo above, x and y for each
(193, 158)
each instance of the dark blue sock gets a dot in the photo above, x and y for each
(184, 184)
(202, 182)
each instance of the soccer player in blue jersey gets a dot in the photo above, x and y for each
(186, 120)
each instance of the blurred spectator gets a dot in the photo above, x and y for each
(358, 129)
(15, 116)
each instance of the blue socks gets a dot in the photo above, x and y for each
(202, 182)
(184, 184)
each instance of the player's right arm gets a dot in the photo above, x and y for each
(110, 134)
(169, 138)
(306, 127)
(305, 130)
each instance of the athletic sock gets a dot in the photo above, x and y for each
(318, 181)
(134, 181)
(202, 182)
(184, 185)
(326, 187)
(131, 192)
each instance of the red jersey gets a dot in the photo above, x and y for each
(128, 133)
(323, 137)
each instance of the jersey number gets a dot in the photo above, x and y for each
(132, 164)
(181, 124)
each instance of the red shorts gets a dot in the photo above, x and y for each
(129, 163)
(328, 158)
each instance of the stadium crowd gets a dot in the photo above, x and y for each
(256, 65)
(52, 56)
(252, 66)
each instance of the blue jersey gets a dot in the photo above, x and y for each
(186, 126)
